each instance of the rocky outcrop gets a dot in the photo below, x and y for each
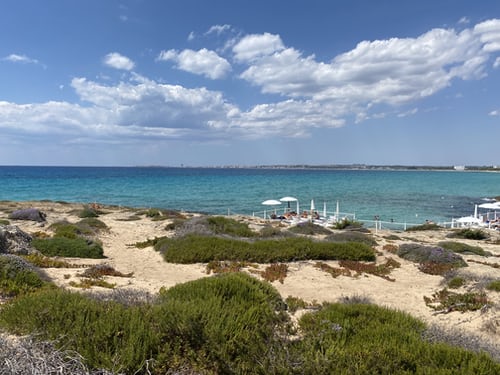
(32, 214)
(14, 241)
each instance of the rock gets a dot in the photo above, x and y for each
(14, 241)
(33, 214)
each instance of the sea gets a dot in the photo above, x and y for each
(399, 196)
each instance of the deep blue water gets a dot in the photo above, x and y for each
(404, 196)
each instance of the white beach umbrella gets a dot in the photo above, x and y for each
(469, 220)
(324, 209)
(490, 206)
(312, 205)
(290, 199)
(271, 202)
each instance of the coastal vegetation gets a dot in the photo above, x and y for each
(72, 240)
(203, 249)
(234, 324)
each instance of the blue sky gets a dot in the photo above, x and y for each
(227, 82)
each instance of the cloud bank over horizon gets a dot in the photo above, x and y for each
(375, 78)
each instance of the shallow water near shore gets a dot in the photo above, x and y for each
(392, 195)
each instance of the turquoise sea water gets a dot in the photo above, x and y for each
(402, 196)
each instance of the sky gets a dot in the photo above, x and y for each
(227, 82)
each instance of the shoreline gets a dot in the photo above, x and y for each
(304, 280)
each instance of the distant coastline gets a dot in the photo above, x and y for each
(493, 168)
(357, 167)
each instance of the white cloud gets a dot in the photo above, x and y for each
(15, 58)
(389, 71)
(191, 36)
(118, 61)
(463, 21)
(255, 46)
(489, 34)
(358, 84)
(218, 29)
(203, 62)
(496, 64)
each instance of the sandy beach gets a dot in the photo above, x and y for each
(304, 280)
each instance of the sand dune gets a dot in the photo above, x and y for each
(406, 293)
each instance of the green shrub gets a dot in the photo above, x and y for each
(231, 227)
(235, 324)
(65, 229)
(426, 226)
(494, 285)
(92, 224)
(348, 224)
(17, 276)
(309, 228)
(203, 249)
(463, 248)
(456, 282)
(469, 234)
(213, 325)
(367, 339)
(87, 212)
(429, 254)
(69, 247)
(4, 222)
(444, 300)
(176, 223)
(102, 332)
(352, 236)
(218, 325)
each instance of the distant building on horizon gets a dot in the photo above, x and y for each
(459, 167)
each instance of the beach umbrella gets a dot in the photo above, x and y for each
(290, 199)
(324, 209)
(490, 206)
(312, 206)
(469, 220)
(271, 202)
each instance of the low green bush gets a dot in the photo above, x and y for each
(87, 212)
(203, 249)
(352, 236)
(494, 285)
(235, 324)
(463, 248)
(93, 224)
(4, 222)
(348, 224)
(469, 234)
(231, 227)
(429, 254)
(426, 226)
(17, 276)
(309, 228)
(213, 325)
(456, 282)
(68, 247)
(367, 339)
(447, 301)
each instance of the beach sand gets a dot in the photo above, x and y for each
(304, 280)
